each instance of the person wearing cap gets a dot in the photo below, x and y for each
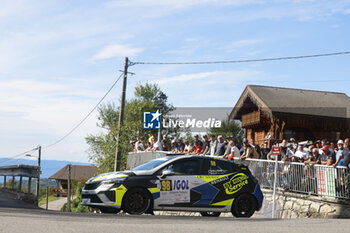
(196, 139)
(206, 145)
(327, 153)
(339, 160)
(249, 151)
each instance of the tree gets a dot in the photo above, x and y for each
(103, 145)
(229, 128)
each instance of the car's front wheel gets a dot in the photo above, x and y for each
(244, 206)
(137, 201)
(210, 214)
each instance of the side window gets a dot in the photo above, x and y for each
(219, 167)
(187, 167)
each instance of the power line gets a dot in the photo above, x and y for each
(71, 131)
(82, 121)
(240, 61)
(17, 156)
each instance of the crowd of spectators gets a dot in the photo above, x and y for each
(318, 152)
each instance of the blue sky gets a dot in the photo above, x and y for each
(58, 58)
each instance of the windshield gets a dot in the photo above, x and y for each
(151, 164)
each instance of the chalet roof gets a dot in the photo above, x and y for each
(295, 101)
(78, 172)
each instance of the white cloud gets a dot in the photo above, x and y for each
(208, 77)
(116, 50)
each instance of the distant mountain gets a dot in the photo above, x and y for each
(48, 167)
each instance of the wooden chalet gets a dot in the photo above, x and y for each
(78, 173)
(286, 113)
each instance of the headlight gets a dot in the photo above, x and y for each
(115, 180)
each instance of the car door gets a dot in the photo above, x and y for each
(175, 190)
(216, 174)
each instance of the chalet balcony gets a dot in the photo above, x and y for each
(252, 119)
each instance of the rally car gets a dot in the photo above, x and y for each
(204, 184)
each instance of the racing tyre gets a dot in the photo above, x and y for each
(210, 214)
(109, 210)
(137, 201)
(244, 206)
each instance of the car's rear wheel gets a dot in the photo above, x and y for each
(109, 210)
(210, 214)
(244, 206)
(137, 201)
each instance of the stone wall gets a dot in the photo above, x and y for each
(294, 205)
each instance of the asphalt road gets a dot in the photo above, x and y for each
(33, 220)
(27, 220)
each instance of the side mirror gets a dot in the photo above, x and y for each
(167, 172)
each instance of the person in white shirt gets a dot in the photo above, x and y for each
(139, 144)
(234, 151)
(301, 154)
(156, 144)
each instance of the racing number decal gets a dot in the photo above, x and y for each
(213, 163)
(166, 185)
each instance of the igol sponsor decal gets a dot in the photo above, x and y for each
(236, 183)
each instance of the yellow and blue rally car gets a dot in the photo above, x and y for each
(204, 184)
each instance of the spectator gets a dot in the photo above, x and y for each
(333, 147)
(165, 143)
(181, 145)
(196, 139)
(150, 138)
(340, 145)
(206, 145)
(256, 147)
(234, 151)
(213, 143)
(345, 154)
(301, 154)
(249, 151)
(293, 147)
(220, 147)
(228, 147)
(287, 153)
(132, 144)
(148, 146)
(327, 153)
(197, 148)
(265, 150)
(188, 147)
(157, 146)
(324, 142)
(318, 144)
(139, 144)
(314, 158)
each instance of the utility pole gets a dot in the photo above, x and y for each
(38, 181)
(121, 116)
(68, 196)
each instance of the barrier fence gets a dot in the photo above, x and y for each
(318, 180)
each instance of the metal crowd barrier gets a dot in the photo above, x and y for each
(318, 180)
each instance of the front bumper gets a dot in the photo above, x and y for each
(110, 195)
